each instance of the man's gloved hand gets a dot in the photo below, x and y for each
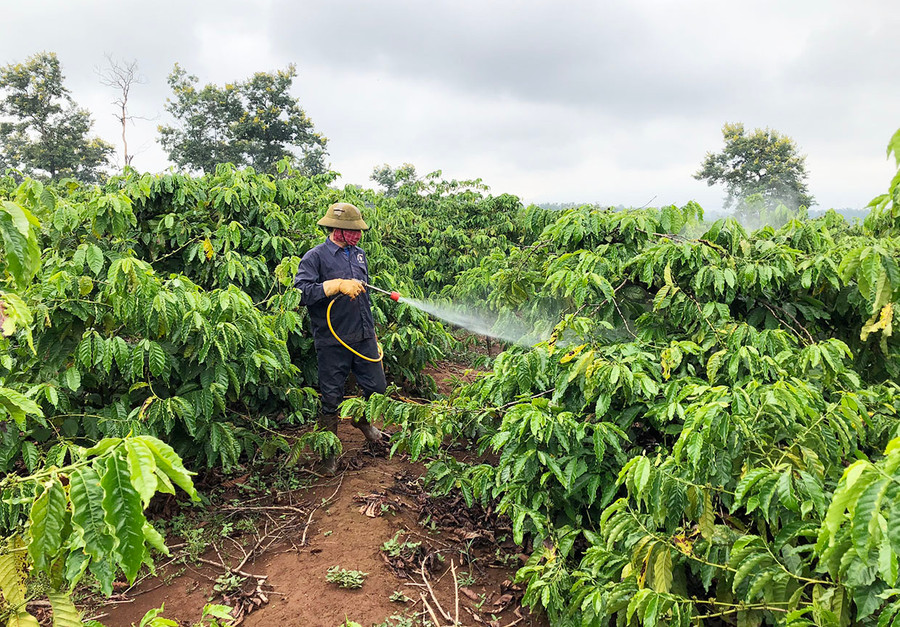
(332, 286)
(350, 287)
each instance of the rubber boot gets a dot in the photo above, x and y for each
(328, 422)
(369, 430)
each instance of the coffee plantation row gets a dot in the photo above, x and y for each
(706, 433)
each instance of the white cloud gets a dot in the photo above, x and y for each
(607, 102)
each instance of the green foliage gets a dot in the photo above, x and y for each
(763, 163)
(397, 596)
(187, 329)
(859, 539)
(210, 617)
(22, 255)
(169, 313)
(707, 430)
(47, 135)
(884, 214)
(395, 548)
(255, 122)
(320, 443)
(394, 620)
(344, 578)
(392, 178)
(677, 449)
(87, 515)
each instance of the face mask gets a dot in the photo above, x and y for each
(348, 237)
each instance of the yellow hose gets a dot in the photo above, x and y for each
(345, 345)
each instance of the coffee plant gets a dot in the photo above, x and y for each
(709, 432)
(706, 431)
(168, 310)
(153, 319)
(67, 518)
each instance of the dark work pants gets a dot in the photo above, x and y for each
(335, 365)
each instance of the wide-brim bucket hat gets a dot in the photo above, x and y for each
(343, 215)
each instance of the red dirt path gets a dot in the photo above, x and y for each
(298, 593)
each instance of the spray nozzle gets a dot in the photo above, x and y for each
(394, 296)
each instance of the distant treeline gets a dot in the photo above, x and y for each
(848, 213)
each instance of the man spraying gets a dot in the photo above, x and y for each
(337, 270)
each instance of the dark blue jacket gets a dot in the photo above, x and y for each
(351, 319)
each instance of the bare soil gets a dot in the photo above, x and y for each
(344, 521)
(448, 375)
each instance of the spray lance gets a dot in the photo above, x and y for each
(394, 296)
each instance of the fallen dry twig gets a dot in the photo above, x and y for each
(434, 618)
(455, 592)
(309, 520)
(228, 569)
(437, 603)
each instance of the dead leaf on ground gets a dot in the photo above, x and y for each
(375, 504)
(230, 483)
(469, 593)
(503, 601)
(474, 615)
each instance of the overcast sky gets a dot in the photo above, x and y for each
(609, 102)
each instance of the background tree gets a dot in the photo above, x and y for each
(256, 122)
(764, 164)
(121, 76)
(46, 134)
(391, 179)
